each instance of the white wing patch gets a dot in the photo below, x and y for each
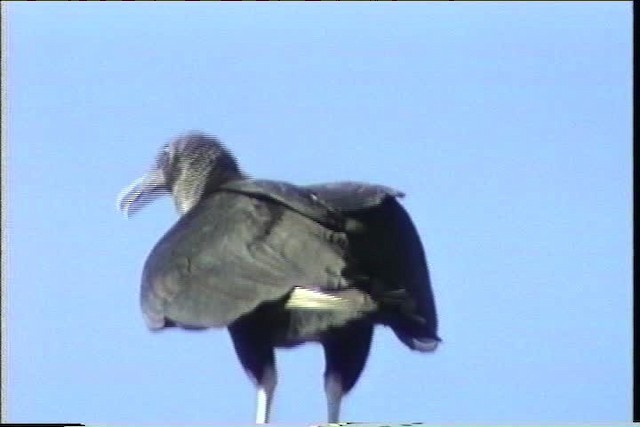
(312, 299)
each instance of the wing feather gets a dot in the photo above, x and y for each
(231, 253)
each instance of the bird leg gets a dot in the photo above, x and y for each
(266, 389)
(334, 392)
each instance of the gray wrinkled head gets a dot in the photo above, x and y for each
(187, 168)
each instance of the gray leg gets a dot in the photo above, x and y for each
(334, 393)
(345, 350)
(258, 360)
(266, 390)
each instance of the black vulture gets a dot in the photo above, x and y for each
(280, 265)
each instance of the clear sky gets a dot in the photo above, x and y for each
(508, 126)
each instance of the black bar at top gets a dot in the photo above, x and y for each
(40, 424)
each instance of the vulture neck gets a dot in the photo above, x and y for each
(189, 191)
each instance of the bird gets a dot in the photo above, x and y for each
(279, 265)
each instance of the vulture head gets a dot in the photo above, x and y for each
(188, 168)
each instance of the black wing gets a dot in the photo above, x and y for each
(300, 199)
(350, 196)
(383, 244)
(234, 251)
(388, 247)
(255, 240)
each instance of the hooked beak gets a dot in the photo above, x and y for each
(141, 192)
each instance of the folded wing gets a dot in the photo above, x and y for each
(231, 253)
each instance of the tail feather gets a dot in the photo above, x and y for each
(421, 344)
(400, 312)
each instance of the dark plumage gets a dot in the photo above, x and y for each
(280, 265)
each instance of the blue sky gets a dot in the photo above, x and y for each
(508, 126)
